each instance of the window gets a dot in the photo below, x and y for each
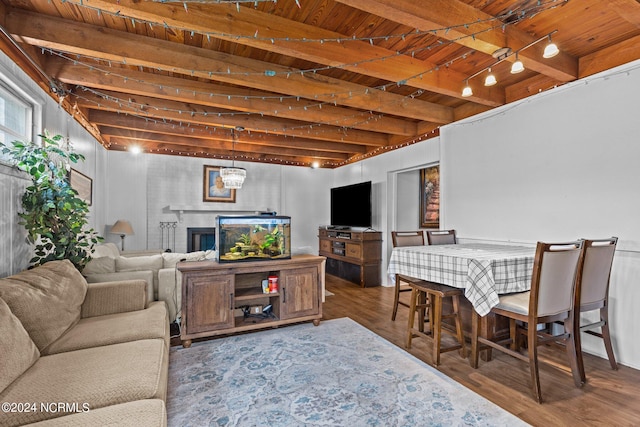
(16, 117)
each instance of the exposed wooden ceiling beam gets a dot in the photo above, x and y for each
(224, 21)
(229, 98)
(214, 143)
(488, 35)
(111, 45)
(123, 121)
(183, 113)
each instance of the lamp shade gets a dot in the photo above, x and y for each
(122, 227)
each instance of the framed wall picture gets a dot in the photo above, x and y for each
(213, 189)
(430, 197)
(82, 184)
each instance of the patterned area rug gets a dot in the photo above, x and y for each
(335, 374)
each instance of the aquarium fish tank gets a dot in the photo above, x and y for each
(253, 238)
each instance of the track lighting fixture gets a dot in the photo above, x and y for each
(550, 50)
(466, 92)
(490, 80)
(517, 67)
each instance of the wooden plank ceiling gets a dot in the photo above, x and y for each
(301, 81)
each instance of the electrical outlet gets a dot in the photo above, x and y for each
(255, 309)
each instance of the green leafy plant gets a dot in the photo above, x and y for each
(54, 216)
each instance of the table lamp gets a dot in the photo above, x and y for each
(123, 228)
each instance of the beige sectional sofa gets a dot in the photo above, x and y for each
(79, 354)
(157, 269)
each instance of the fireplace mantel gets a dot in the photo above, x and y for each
(180, 210)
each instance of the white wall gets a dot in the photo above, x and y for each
(15, 253)
(557, 166)
(407, 202)
(149, 188)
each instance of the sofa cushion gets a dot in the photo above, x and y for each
(100, 265)
(147, 412)
(99, 377)
(146, 275)
(171, 259)
(140, 263)
(17, 351)
(105, 250)
(46, 299)
(152, 322)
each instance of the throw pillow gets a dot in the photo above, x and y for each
(100, 265)
(46, 299)
(17, 352)
(106, 249)
(138, 263)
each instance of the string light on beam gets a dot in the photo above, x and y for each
(520, 15)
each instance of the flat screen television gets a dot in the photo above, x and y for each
(351, 205)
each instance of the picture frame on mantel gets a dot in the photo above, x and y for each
(430, 197)
(213, 189)
(82, 184)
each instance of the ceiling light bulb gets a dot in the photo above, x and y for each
(517, 67)
(135, 149)
(551, 50)
(466, 91)
(490, 80)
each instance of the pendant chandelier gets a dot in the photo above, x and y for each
(233, 177)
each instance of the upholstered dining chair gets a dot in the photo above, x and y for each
(556, 275)
(441, 237)
(404, 238)
(593, 294)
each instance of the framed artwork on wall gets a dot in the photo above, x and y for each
(82, 184)
(430, 197)
(213, 189)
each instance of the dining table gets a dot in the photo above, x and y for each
(483, 270)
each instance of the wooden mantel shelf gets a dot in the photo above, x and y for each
(181, 209)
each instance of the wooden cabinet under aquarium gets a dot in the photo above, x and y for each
(222, 298)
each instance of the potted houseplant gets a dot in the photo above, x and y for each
(54, 216)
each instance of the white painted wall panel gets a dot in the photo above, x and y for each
(560, 165)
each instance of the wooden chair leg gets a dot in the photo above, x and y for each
(458, 321)
(606, 336)
(422, 300)
(533, 362)
(575, 359)
(473, 358)
(395, 300)
(436, 327)
(412, 312)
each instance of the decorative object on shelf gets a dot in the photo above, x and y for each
(123, 228)
(502, 54)
(214, 189)
(233, 177)
(430, 197)
(53, 213)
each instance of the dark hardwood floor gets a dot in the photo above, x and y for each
(609, 398)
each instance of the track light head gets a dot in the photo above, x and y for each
(550, 50)
(517, 66)
(491, 79)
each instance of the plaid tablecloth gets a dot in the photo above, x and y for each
(483, 270)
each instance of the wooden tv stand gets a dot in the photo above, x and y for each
(355, 256)
(213, 295)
